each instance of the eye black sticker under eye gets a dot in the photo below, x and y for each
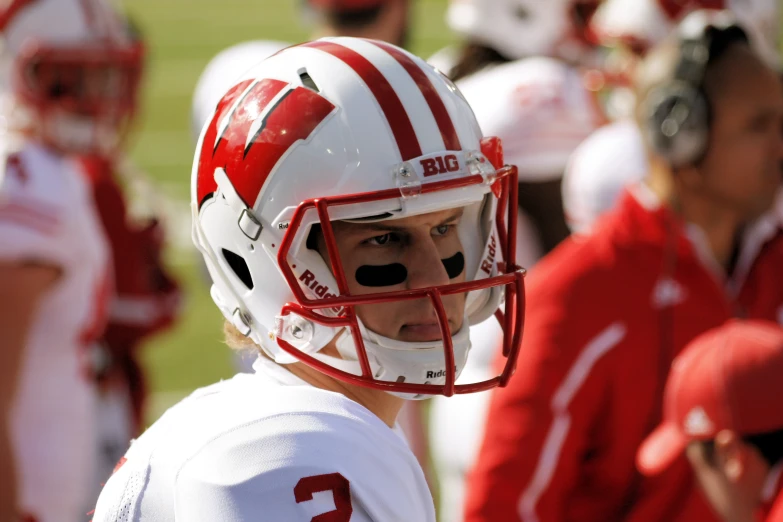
(383, 275)
(454, 265)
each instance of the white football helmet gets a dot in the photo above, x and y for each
(350, 129)
(521, 28)
(642, 24)
(70, 69)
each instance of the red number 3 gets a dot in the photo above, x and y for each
(340, 488)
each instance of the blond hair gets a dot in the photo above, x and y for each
(236, 341)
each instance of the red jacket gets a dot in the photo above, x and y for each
(605, 316)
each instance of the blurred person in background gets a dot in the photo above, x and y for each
(386, 20)
(694, 245)
(723, 409)
(613, 157)
(524, 66)
(68, 73)
(352, 310)
(146, 299)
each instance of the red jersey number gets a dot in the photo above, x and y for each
(340, 488)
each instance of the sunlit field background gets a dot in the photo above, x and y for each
(182, 36)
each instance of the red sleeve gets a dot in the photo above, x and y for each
(147, 298)
(538, 428)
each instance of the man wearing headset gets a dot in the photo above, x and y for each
(697, 243)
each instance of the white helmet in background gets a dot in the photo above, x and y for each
(642, 24)
(521, 28)
(349, 129)
(70, 71)
(221, 73)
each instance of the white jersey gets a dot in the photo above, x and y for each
(539, 107)
(47, 216)
(267, 446)
(611, 158)
(221, 72)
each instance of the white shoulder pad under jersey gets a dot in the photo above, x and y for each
(539, 107)
(258, 448)
(38, 192)
(219, 74)
(610, 159)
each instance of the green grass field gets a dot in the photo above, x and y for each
(183, 35)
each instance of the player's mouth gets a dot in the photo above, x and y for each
(422, 331)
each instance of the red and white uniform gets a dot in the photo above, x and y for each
(606, 314)
(541, 110)
(145, 301)
(47, 216)
(267, 445)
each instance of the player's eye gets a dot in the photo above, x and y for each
(380, 240)
(441, 230)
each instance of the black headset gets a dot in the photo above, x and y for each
(677, 113)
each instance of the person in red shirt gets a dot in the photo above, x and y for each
(723, 409)
(699, 242)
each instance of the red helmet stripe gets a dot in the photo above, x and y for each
(293, 118)
(437, 107)
(390, 103)
(248, 160)
(205, 182)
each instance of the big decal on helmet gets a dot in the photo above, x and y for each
(254, 118)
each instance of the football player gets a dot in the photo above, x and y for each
(355, 223)
(67, 75)
(146, 298)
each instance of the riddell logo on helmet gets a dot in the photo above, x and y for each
(439, 165)
(308, 278)
(438, 374)
(486, 264)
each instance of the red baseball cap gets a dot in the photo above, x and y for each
(730, 377)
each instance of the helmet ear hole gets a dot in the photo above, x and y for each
(239, 267)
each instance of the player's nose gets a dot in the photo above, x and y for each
(425, 265)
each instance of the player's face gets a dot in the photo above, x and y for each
(742, 167)
(401, 254)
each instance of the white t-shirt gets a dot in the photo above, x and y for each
(267, 446)
(47, 216)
